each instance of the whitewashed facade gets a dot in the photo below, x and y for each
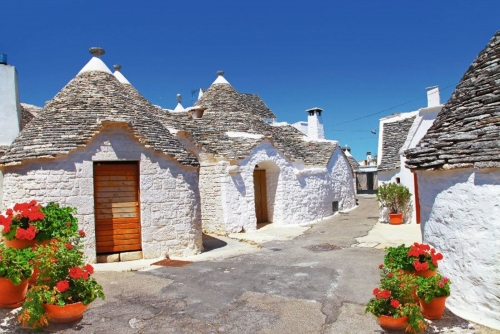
(457, 164)
(407, 129)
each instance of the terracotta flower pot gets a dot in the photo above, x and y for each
(19, 244)
(396, 218)
(435, 309)
(64, 314)
(393, 324)
(426, 273)
(11, 295)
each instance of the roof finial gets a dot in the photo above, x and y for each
(220, 73)
(179, 98)
(96, 51)
(117, 67)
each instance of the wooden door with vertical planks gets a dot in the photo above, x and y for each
(259, 181)
(116, 197)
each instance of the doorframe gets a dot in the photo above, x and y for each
(138, 190)
(264, 201)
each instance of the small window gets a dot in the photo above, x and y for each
(398, 180)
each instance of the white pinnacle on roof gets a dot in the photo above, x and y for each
(179, 106)
(118, 75)
(95, 64)
(220, 79)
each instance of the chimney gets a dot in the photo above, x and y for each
(369, 158)
(10, 110)
(433, 98)
(315, 128)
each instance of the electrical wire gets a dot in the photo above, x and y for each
(385, 110)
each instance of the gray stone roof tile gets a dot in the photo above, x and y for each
(80, 110)
(466, 133)
(258, 106)
(394, 137)
(230, 111)
(354, 164)
(28, 112)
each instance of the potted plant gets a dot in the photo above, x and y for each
(64, 288)
(396, 198)
(393, 303)
(27, 224)
(16, 266)
(420, 259)
(432, 292)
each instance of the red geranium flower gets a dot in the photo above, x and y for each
(69, 246)
(89, 268)
(75, 272)
(385, 294)
(20, 233)
(62, 286)
(85, 275)
(376, 291)
(81, 233)
(395, 303)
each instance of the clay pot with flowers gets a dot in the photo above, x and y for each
(28, 224)
(393, 303)
(419, 259)
(19, 227)
(396, 198)
(432, 292)
(64, 288)
(16, 266)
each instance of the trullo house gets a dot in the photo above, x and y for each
(222, 165)
(457, 164)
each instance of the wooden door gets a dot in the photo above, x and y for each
(116, 197)
(259, 181)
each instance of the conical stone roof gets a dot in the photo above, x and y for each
(78, 112)
(228, 111)
(466, 133)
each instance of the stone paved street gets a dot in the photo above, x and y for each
(317, 282)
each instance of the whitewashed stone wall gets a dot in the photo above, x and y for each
(212, 175)
(169, 195)
(460, 212)
(294, 197)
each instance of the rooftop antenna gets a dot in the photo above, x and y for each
(193, 92)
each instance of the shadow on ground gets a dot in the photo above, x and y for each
(211, 243)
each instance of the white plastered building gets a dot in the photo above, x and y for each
(398, 133)
(457, 164)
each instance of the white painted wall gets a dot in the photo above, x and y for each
(10, 110)
(301, 126)
(424, 118)
(170, 209)
(294, 196)
(460, 212)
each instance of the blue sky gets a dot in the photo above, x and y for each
(351, 58)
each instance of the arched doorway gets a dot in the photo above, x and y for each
(260, 195)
